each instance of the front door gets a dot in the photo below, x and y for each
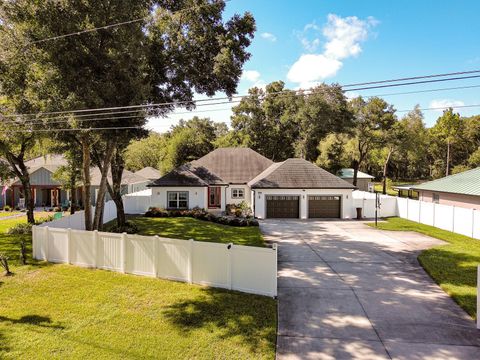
(214, 197)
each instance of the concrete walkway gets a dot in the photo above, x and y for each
(348, 291)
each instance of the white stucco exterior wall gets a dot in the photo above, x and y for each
(246, 190)
(346, 200)
(197, 196)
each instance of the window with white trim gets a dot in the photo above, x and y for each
(177, 199)
(435, 198)
(238, 193)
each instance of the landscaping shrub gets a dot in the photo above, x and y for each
(20, 229)
(4, 264)
(7, 208)
(202, 214)
(129, 228)
(57, 209)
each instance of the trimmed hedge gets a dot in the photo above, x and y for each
(201, 214)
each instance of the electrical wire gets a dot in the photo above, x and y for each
(110, 26)
(208, 102)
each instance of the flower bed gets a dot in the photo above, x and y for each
(201, 214)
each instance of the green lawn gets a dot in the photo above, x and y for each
(189, 228)
(8, 213)
(63, 311)
(452, 266)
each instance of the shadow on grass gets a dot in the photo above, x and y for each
(37, 320)
(249, 318)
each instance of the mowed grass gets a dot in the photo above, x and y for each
(199, 230)
(62, 311)
(452, 266)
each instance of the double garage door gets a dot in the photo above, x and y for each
(284, 206)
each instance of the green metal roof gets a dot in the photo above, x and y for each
(348, 174)
(467, 182)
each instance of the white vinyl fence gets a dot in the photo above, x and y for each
(135, 203)
(452, 218)
(244, 268)
(366, 201)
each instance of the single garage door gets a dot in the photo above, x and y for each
(282, 206)
(323, 206)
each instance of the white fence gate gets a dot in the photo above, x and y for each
(244, 268)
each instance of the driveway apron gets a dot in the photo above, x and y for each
(347, 291)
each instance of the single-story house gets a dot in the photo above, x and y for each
(461, 190)
(363, 179)
(294, 188)
(48, 192)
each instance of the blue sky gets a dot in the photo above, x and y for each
(304, 42)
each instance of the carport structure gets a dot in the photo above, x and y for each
(347, 291)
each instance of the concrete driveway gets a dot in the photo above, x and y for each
(348, 291)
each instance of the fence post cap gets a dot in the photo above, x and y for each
(274, 246)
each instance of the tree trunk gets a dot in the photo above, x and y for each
(21, 171)
(385, 166)
(355, 165)
(73, 194)
(27, 192)
(448, 158)
(116, 189)
(86, 183)
(100, 202)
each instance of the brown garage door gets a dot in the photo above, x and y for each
(280, 206)
(324, 206)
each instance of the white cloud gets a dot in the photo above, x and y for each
(311, 68)
(268, 36)
(343, 38)
(251, 75)
(344, 35)
(442, 104)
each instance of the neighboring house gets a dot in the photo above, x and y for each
(461, 190)
(47, 192)
(294, 188)
(131, 182)
(363, 179)
(149, 173)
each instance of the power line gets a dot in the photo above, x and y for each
(414, 78)
(443, 107)
(110, 26)
(93, 117)
(300, 92)
(413, 83)
(425, 91)
(74, 129)
(140, 127)
(86, 31)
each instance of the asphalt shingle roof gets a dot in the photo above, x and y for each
(234, 165)
(298, 173)
(189, 175)
(467, 183)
